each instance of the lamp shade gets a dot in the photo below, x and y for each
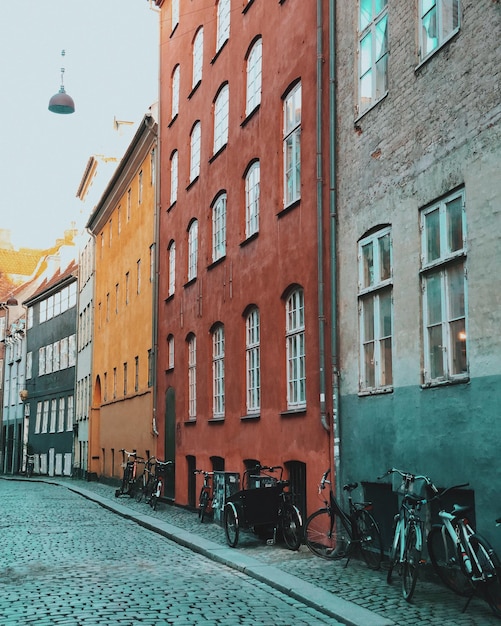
(61, 102)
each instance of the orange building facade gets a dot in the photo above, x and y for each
(123, 224)
(243, 343)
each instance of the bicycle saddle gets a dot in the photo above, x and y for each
(350, 486)
(458, 510)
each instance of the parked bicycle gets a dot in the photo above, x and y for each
(205, 497)
(407, 544)
(128, 484)
(30, 465)
(159, 480)
(146, 482)
(333, 533)
(464, 560)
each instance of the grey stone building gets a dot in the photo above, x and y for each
(418, 200)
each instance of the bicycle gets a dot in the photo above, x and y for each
(333, 533)
(205, 497)
(146, 481)
(30, 465)
(407, 545)
(158, 482)
(464, 560)
(128, 484)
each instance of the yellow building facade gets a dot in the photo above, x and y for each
(123, 225)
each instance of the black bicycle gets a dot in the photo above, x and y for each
(128, 485)
(205, 497)
(158, 482)
(146, 482)
(333, 533)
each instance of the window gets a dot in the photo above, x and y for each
(71, 412)
(439, 20)
(218, 371)
(138, 276)
(219, 228)
(175, 91)
(443, 275)
(373, 52)
(192, 250)
(170, 351)
(221, 112)
(139, 190)
(175, 13)
(376, 310)
(129, 204)
(253, 378)
(153, 166)
(252, 187)
(172, 267)
(174, 177)
(195, 141)
(125, 379)
(38, 418)
(223, 23)
(198, 57)
(45, 416)
(152, 262)
(192, 377)
(136, 373)
(127, 287)
(295, 350)
(53, 415)
(254, 62)
(292, 145)
(60, 426)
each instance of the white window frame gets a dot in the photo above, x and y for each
(436, 17)
(195, 146)
(172, 268)
(174, 176)
(192, 377)
(221, 117)
(253, 362)
(218, 372)
(38, 418)
(192, 250)
(198, 57)
(292, 145)
(252, 197)
(375, 305)
(170, 352)
(223, 23)
(176, 80)
(219, 228)
(254, 76)
(174, 14)
(445, 293)
(62, 406)
(373, 53)
(295, 350)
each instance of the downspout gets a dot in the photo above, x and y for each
(336, 425)
(320, 237)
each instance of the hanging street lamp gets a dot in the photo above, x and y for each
(61, 102)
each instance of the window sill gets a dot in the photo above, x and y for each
(300, 411)
(289, 208)
(435, 384)
(169, 298)
(218, 52)
(364, 393)
(216, 262)
(431, 54)
(194, 89)
(171, 206)
(190, 282)
(190, 422)
(249, 239)
(191, 183)
(216, 420)
(246, 7)
(172, 121)
(251, 417)
(367, 110)
(219, 151)
(250, 115)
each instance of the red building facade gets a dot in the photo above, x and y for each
(242, 343)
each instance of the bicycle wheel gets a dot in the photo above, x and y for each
(487, 569)
(203, 504)
(291, 526)
(412, 559)
(325, 535)
(231, 525)
(371, 545)
(140, 489)
(394, 551)
(444, 558)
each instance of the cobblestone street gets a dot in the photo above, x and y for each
(78, 549)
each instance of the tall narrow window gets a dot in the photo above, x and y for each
(221, 119)
(139, 189)
(192, 250)
(170, 351)
(175, 13)
(292, 145)
(376, 310)
(443, 276)
(219, 227)
(373, 52)
(254, 62)
(192, 377)
(153, 168)
(223, 23)
(195, 144)
(253, 365)
(439, 21)
(176, 77)
(174, 177)
(138, 276)
(62, 411)
(136, 373)
(172, 267)
(295, 350)
(125, 379)
(198, 57)
(218, 371)
(252, 188)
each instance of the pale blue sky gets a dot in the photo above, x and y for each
(111, 70)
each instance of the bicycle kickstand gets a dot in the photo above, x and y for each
(273, 540)
(468, 602)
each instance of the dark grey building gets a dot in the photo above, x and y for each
(50, 372)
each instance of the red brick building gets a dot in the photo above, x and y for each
(242, 339)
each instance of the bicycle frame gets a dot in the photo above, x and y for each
(460, 533)
(407, 513)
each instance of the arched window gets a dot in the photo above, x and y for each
(253, 364)
(172, 267)
(221, 117)
(195, 142)
(192, 250)
(176, 74)
(223, 23)
(192, 376)
(219, 227)
(295, 350)
(218, 371)
(198, 57)
(252, 192)
(292, 145)
(254, 63)
(174, 176)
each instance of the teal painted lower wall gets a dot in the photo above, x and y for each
(450, 433)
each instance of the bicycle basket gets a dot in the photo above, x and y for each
(417, 487)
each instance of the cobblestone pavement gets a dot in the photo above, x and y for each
(432, 603)
(66, 561)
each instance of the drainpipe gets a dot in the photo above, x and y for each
(320, 237)
(336, 426)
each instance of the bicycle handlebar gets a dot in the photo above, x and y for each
(131, 454)
(159, 462)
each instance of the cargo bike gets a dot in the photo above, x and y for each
(264, 505)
